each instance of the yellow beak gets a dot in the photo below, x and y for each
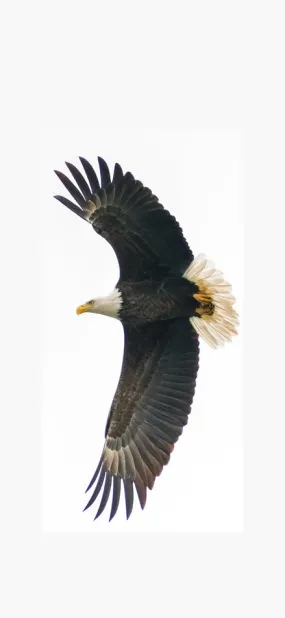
(83, 308)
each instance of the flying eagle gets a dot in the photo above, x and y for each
(164, 299)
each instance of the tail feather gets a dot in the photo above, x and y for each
(216, 319)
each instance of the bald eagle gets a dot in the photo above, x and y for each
(165, 299)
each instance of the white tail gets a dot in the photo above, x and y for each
(216, 319)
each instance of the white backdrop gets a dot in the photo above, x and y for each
(189, 65)
(198, 176)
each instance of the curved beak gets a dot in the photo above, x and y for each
(83, 308)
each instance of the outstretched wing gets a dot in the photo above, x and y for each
(149, 410)
(147, 239)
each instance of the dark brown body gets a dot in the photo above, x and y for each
(152, 301)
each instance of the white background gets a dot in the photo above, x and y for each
(198, 176)
(192, 66)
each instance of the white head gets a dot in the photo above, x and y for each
(108, 305)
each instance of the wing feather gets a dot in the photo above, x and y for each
(129, 495)
(104, 172)
(94, 477)
(91, 175)
(83, 186)
(116, 496)
(141, 490)
(78, 211)
(105, 495)
(71, 188)
(137, 226)
(97, 489)
(145, 421)
(118, 174)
